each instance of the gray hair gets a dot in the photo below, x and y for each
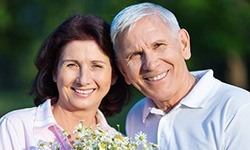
(130, 15)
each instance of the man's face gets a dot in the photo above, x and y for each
(152, 58)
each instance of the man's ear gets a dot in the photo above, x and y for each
(123, 71)
(185, 43)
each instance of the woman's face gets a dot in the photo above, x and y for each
(83, 76)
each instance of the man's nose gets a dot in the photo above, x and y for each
(150, 61)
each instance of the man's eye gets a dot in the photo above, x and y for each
(135, 55)
(156, 45)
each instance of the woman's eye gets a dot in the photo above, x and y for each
(72, 65)
(97, 66)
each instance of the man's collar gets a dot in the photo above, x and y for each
(202, 91)
(150, 108)
(197, 98)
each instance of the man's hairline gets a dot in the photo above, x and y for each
(130, 27)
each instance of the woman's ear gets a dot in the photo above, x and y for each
(185, 43)
(114, 78)
(54, 74)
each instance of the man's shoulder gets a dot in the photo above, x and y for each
(139, 105)
(232, 98)
(135, 117)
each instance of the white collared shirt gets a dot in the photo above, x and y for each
(22, 129)
(214, 115)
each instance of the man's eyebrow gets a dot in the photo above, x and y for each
(128, 53)
(159, 41)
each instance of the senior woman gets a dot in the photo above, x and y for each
(77, 80)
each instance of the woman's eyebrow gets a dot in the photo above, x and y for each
(69, 60)
(98, 61)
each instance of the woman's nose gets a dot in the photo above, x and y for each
(84, 77)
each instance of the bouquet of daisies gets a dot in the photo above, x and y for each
(95, 138)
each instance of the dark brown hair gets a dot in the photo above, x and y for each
(77, 27)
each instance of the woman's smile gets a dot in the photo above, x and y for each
(84, 92)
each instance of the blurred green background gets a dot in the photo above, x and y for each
(219, 30)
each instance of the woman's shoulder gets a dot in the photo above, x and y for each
(22, 115)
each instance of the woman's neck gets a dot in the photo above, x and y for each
(68, 120)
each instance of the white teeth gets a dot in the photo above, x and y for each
(158, 77)
(84, 91)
